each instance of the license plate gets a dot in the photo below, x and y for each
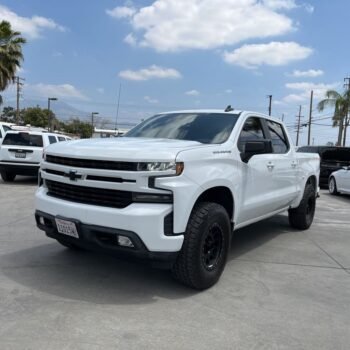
(67, 228)
(20, 155)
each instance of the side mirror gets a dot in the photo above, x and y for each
(253, 148)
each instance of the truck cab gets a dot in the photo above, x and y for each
(175, 187)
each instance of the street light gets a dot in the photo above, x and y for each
(92, 122)
(48, 107)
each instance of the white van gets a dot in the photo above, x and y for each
(21, 152)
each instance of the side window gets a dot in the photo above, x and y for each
(6, 128)
(0, 134)
(252, 130)
(61, 138)
(279, 140)
(52, 139)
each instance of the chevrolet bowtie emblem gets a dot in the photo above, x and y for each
(73, 176)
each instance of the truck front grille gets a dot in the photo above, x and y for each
(91, 163)
(89, 195)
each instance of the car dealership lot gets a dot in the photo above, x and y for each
(281, 289)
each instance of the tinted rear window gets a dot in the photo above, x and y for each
(336, 155)
(23, 139)
(200, 127)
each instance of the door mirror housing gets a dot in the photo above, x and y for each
(253, 148)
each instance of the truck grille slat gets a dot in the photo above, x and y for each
(91, 163)
(89, 195)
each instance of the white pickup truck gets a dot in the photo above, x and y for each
(175, 187)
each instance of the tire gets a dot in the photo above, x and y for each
(7, 176)
(204, 252)
(332, 186)
(69, 245)
(301, 217)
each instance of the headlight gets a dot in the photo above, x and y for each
(161, 166)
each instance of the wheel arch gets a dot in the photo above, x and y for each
(221, 195)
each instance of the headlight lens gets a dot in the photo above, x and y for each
(156, 166)
(178, 167)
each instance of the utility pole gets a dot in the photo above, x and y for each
(310, 118)
(19, 88)
(270, 103)
(347, 117)
(298, 126)
(282, 117)
(92, 122)
(49, 119)
(116, 118)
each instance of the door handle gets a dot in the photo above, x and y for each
(294, 164)
(270, 165)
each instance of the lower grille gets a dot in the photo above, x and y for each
(89, 195)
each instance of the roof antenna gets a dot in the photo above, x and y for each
(229, 109)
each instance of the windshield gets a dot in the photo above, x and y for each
(201, 127)
(23, 139)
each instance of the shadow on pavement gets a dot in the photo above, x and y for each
(89, 276)
(104, 279)
(21, 180)
(256, 235)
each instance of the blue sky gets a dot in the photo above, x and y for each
(169, 54)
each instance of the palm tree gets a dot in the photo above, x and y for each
(10, 54)
(341, 104)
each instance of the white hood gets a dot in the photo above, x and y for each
(122, 149)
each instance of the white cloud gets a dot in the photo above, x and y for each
(150, 99)
(228, 91)
(100, 90)
(173, 25)
(130, 39)
(30, 27)
(280, 4)
(192, 93)
(152, 72)
(121, 12)
(303, 90)
(273, 54)
(308, 8)
(57, 54)
(64, 91)
(307, 73)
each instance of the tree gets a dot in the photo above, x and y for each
(77, 127)
(35, 116)
(341, 104)
(8, 114)
(10, 54)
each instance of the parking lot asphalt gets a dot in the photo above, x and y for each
(281, 289)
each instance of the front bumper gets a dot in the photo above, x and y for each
(146, 221)
(103, 239)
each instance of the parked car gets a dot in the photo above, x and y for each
(339, 181)
(21, 152)
(332, 159)
(173, 188)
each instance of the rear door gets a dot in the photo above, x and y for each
(284, 166)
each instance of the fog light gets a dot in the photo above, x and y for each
(125, 241)
(41, 220)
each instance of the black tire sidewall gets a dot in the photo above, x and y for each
(7, 176)
(216, 215)
(335, 191)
